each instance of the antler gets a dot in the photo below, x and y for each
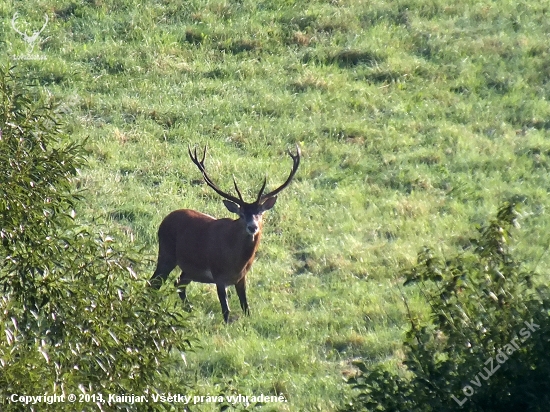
(261, 197)
(15, 15)
(295, 164)
(29, 39)
(209, 182)
(45, 24)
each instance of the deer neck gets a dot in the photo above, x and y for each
(245, 242)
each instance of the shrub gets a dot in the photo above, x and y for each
(485, 345)
(74, 317)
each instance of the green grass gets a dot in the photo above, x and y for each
(416, 119)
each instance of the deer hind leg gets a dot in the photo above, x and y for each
(181, 284)
(165, 264)
(222, 296)
(240, 287)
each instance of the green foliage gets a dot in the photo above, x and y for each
(74, 318)
(36, 195)
(485, 344)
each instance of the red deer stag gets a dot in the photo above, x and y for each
(210, 250)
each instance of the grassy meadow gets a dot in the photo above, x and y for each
(416, 120)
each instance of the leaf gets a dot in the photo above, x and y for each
(44, 354)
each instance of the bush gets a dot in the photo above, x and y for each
(485, 345)
(74, 317)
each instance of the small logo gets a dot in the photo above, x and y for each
(29, 39)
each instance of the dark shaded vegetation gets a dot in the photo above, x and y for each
(345, 58)
(484, 346)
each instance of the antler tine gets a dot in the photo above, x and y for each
(15, 17)
(295, 164)
(203, 156)
(261, 191)
(209, 182)
(237, 189)
(45, 24)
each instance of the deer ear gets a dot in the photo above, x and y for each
(269, 203)
(231, 206)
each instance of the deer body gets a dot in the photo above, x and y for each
(209, 250)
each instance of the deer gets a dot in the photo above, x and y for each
(210, 250)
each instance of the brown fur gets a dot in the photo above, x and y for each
(208, 250)
(198, 243)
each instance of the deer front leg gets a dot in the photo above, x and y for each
(222, 296)
(240, 287)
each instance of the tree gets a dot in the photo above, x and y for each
(74, 316)
(485, 344)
